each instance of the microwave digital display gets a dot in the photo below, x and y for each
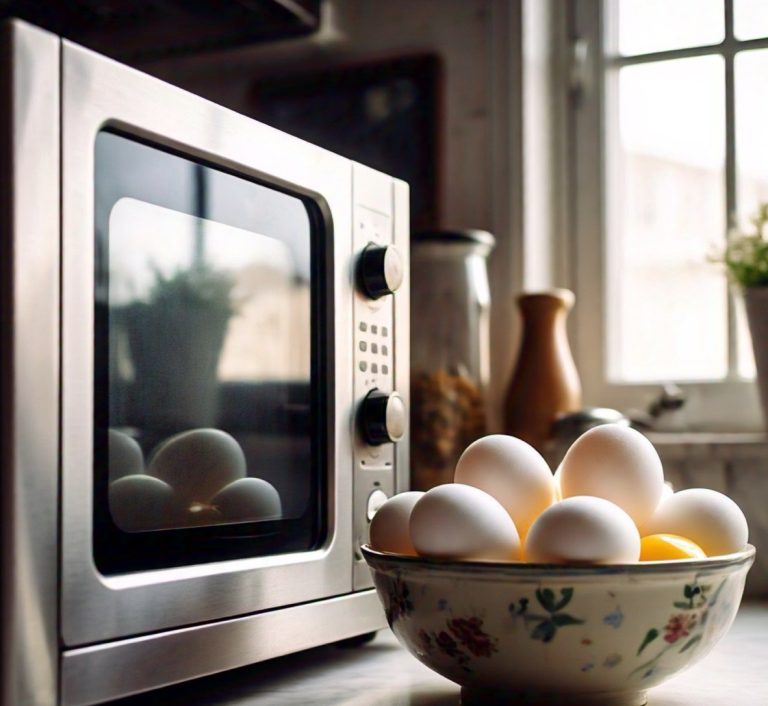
(208, 363)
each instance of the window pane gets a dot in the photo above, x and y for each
(645, 26)
(666, 304)
(750, 19)
(751, 131)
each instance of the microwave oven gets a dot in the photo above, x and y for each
(204, 380)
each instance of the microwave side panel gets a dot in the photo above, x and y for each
(402, 239)
(29, 370)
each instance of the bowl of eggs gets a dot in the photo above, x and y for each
(586, 587)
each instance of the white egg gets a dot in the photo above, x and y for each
(556, 478)
(248, 499)
(197, 515)
(125, 455)
(583, 529)
(616, 463)
(456, 521)
(667, 491)
(708, 518)
(198, 463)
(141, 502)
(389, 530)
(511, 471)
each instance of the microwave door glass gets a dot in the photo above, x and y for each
(208, 363)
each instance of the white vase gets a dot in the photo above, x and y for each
(756, 300)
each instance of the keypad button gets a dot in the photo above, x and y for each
(374, 368)
(384, 331)
(363, 346)
(363, 326)
(374, 329)
(363, 365)
(384, 350)
(374, 348)
(385, 369)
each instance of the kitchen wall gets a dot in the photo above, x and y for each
(478, 43)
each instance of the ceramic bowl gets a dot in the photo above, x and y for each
(551, 634)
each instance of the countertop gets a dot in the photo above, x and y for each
(381, 673)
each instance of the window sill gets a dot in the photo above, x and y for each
(710, 446)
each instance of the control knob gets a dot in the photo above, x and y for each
(382, 417)
(380, 270)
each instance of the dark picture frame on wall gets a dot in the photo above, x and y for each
(385, 114)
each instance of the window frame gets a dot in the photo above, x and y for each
(730, 404)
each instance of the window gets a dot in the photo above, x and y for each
(669, 150)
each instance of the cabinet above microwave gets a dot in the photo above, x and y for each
(125, 29)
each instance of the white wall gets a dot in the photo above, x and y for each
(479, 43)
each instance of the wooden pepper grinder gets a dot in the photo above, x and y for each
(545, 383)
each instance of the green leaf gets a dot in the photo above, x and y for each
(690, 643)
(546, 597)
(681, 605)
(566, 595)
(561, 619)
(650, 636)
(544, 631)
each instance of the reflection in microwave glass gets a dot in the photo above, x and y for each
(198, 477)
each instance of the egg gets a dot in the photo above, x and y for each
(665, 547)
(199, 515)
(616, 463)
(389, 530)
(248, 499)
(583, 529)
(708, 518)
(125, 455)
(667, 491)
(558, 489)
(457, 521)
(511, 471)
(198, 463)
(141, 502)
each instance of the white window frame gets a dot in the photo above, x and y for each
(728, 405)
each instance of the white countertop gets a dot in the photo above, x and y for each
(381, 673)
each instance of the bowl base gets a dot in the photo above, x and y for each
(502, 697)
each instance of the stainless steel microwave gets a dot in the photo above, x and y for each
(204, 380)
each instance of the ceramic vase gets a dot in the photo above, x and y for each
(756, 304)
(545, 383)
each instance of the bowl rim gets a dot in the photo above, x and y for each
(518, 568)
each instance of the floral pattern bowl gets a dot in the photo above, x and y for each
(550, 634)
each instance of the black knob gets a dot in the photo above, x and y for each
(382, 417)
(380, 270)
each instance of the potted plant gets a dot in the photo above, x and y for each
(175, 336)
(746, 260)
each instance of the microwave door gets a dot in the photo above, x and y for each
(207, 324)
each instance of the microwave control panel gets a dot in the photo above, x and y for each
(381, 415)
